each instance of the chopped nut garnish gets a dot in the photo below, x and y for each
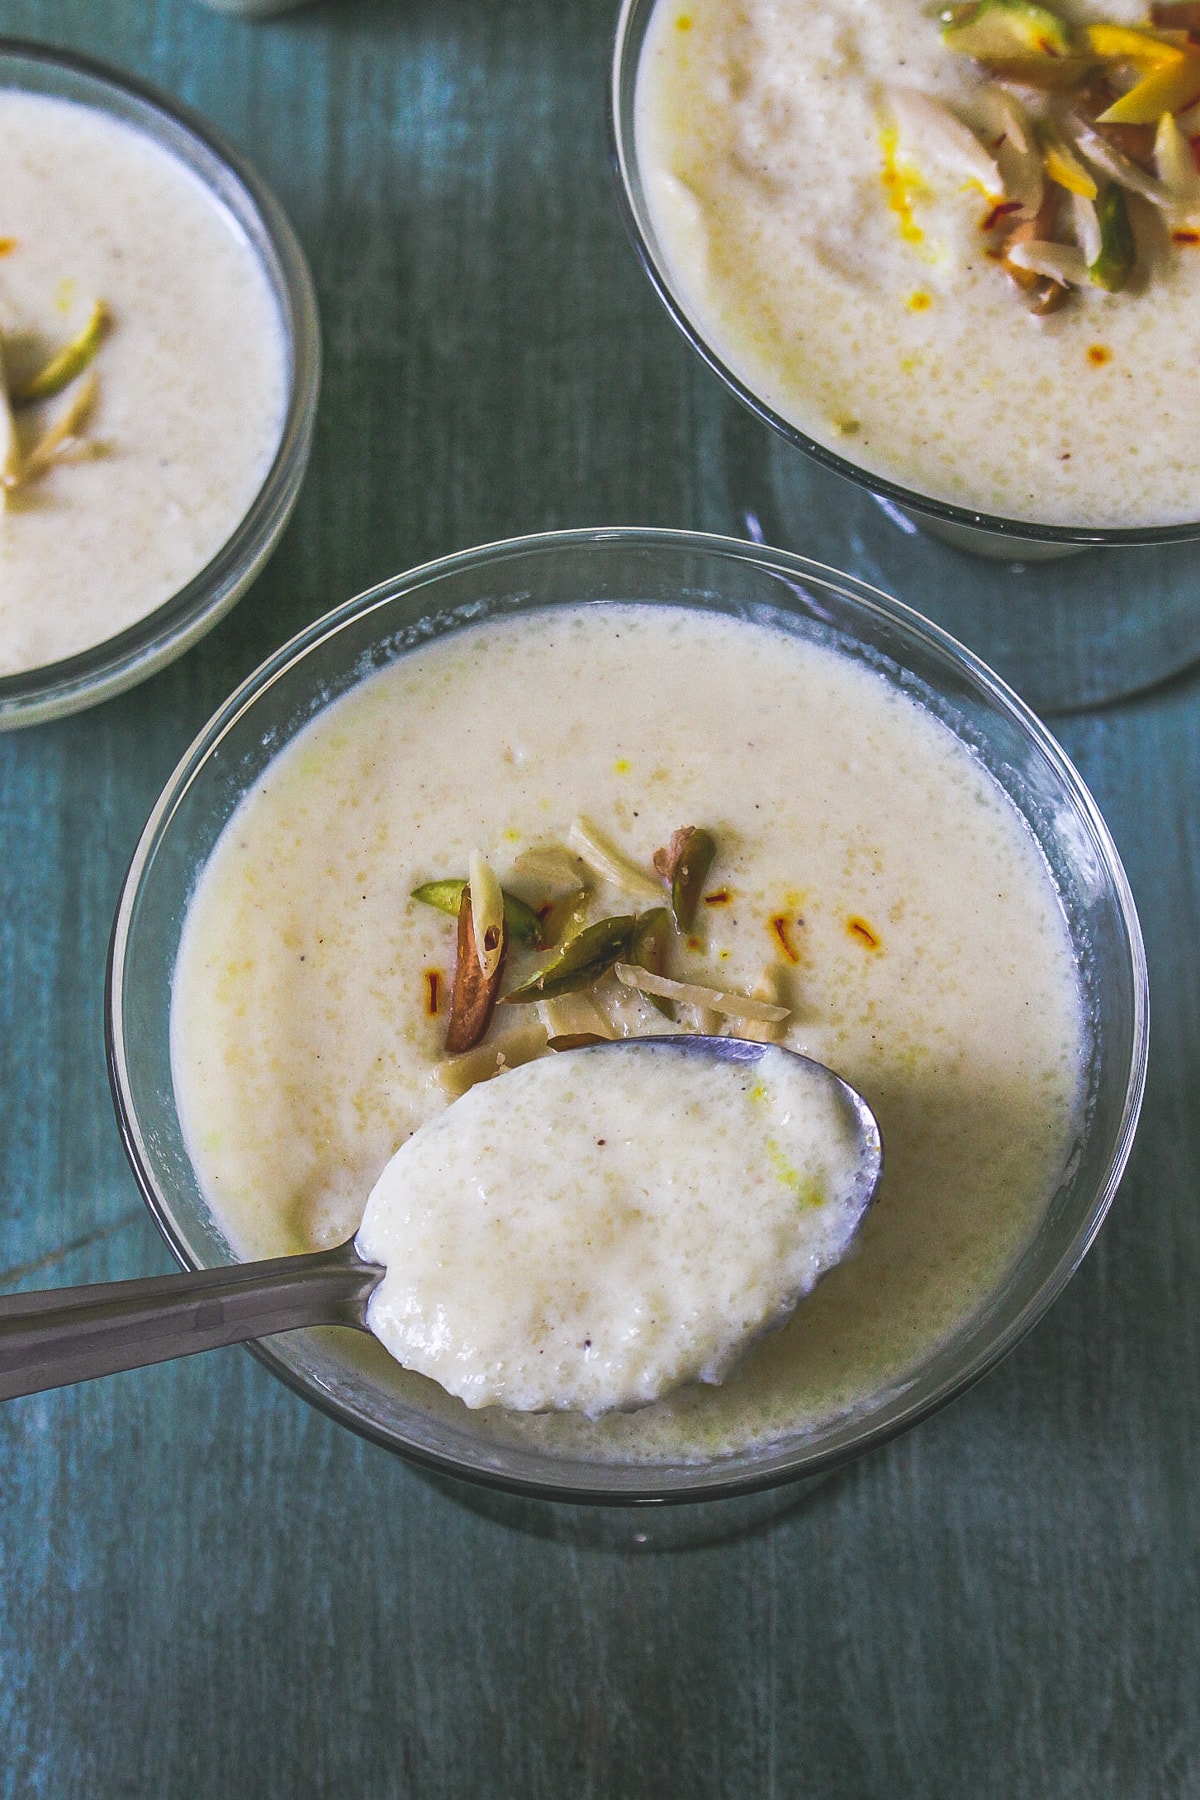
(473, 995)
(575, 1040)
(487, 914)
(573, 1015)
(581, 961)
(1115, 110)
(506, 1050)
(768, 987)
(71, 361)
(685, 862)
(610, 863)
(61, 443)
(524, 924)
(691, 993)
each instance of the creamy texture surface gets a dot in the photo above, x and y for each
(933, 965)
(192, 375)
(604, 1225)
(881, 330)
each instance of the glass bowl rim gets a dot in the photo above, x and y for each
(705, 1482)
(623, 157)
(52, 690)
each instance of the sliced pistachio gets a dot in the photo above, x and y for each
(651, 943)
(685, 863)
(487, 914)
(1135, 45)
(1171, 87)
(1118, 251)
(63, 441)
(71, 361)
(581, 961)
(1000, 30)
(473, 995)
(1044, 74)
(523, 924)
(931, 127)
(575, 1040)
(610, 863)
(691, 993)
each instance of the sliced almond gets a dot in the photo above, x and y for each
(931, 127)
(768, 987)
(690, 993)
(1018, 156)
(1102, 155)
(1087, 227)
(62, 442)
(1064, 263)
(1176, 165)
(575, 1015)
(612, 864)
(508, 1050)
(487, 914)
(473, 995)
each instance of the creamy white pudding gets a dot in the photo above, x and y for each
(868, 868)
(601, 1227)
(190, 376)
(827, 248)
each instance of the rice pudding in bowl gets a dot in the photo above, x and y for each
(161, 363)
(882, 812)
(822, 196)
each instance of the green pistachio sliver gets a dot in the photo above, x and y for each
(71, 361)
(685, 863)
(521, 920)
(650, 941)
(580, 962)
(1114, 265)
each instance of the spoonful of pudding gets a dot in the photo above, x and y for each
(585, 1233)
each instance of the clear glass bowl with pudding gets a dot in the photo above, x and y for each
(145, 491)
(842, 287)
(868, 784)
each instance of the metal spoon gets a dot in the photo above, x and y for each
(63, 1335)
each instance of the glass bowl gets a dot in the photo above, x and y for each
(670, 569)
(104, 669)
(970, 529)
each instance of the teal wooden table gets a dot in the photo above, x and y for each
(208, 1589)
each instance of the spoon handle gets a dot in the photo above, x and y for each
(63, 1335)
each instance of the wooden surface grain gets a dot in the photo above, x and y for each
(207, 1589)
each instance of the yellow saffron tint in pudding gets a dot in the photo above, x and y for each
(191, 375)
(867, 865)
(839, 270)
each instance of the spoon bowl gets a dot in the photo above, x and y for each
(60, 1336)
